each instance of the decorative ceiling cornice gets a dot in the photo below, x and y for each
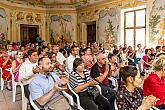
(55, 3)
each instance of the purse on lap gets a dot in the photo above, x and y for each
(94, 92)
(58, 103)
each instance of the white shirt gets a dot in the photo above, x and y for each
(124, 56)
(25, 72)
(69, 63)
(11, 53)
(60, 58)
(139, 53)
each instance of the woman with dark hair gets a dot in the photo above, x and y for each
(155, 83)
(88, 58)
(81, 83)
(5, 63)
(17, 63)
(130, 95)
(147, 58)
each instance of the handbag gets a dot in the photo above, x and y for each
(94, 92)
(58, 103)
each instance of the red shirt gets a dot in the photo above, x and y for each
(155, 86)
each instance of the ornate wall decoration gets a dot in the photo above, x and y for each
(3, 26)
(108, 26)
(88, 15)
(61, 29)
(157, 16)
(108, 17)
(38, 18)
(20, 16)
(29, 18)
(56, 3)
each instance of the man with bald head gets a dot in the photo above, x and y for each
(100, 74)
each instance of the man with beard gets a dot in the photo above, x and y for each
(46, 85)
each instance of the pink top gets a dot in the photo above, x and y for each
(88, 60)
(16, 74)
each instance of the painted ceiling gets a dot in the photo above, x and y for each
(43, 3)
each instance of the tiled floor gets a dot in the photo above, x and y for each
(6, 100)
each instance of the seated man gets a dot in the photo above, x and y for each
(46, 85)
(100, 74)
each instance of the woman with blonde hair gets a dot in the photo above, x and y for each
(154, 84)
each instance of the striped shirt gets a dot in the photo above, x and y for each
(75, 79)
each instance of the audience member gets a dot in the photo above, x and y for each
(155, 82)
(26, 74)
(99, 72)
(17, 63)
(147, 58)
(88, 58)
(59, 56)
(46, 85)
(80, 82)
(5, 63)
(129, 95)
(69, 60)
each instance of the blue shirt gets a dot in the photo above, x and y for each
(42, 84)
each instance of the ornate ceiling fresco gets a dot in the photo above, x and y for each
(57, 3)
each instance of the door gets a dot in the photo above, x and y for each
(28, 33)
(91, 32)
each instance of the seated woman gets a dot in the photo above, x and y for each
(80, 82)
(155, 82)
(88, 59)
(5, 63)
(130, 96)
(17, 63)
(147, 58)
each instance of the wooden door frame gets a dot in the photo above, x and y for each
(84, 31)
(28, 26)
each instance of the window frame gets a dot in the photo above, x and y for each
(134, 27)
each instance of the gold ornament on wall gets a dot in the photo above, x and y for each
(38, 18)
(20, 16)
(29, 17)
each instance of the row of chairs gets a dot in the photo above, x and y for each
(69, 97)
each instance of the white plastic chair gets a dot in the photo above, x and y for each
(77, 97)
(32, 103)
(69, 97)
(2, 81)
(24, 99)
(154, 108)
(114, 82)
(14, 85)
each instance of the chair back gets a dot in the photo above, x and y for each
(1, 72)
(32, 103)
(24, 99)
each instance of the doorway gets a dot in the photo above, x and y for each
(28, 33)
(91, 32)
